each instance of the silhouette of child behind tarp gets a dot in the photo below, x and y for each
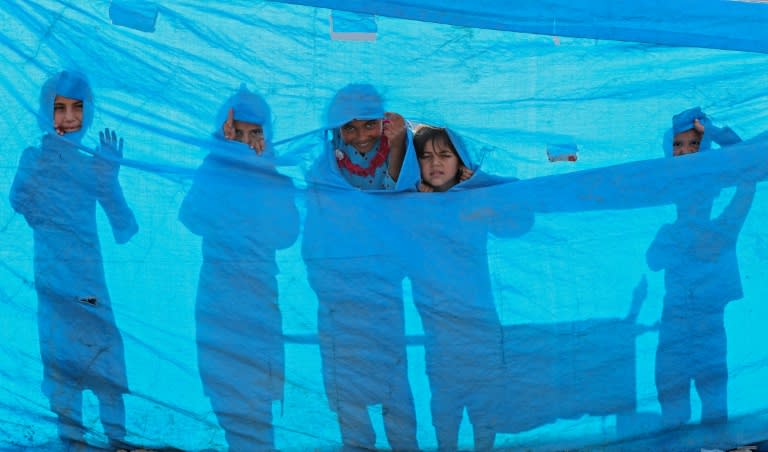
(244, 210)
(452, 287)
(56, 189)
(350, 248)
(701, 275)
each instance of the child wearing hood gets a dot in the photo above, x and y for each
(244, 211)
(463, 332)
(351, 248)
(440, 165)
(701, 275)
(692, 131)
(57, 188)
(368, 144)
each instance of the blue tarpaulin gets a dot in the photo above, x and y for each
(162, 286)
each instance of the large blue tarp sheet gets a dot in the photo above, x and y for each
(164, 286)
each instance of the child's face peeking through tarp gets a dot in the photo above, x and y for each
(245, 132)
(687, 142)
(249, 133)
(439, 163)
(66, 105)
(67, 114)
(362, 134)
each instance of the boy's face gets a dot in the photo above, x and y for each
(439, 165)
(362, 134)
(67, 114)
(687, 142)
(250, 134)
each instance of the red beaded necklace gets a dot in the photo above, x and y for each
(377, 160)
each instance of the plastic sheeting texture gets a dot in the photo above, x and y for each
(548, 307)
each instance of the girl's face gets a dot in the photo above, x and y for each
(67, 114)
(439, 165)
(362, 134)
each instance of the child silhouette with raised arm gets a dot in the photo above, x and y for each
(57, 188)
(350, 247)
(701, 275)
(244, 211)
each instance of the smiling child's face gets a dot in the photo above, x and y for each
(362, 134)
(67, 114)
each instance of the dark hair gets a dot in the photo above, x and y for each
(427, 134)
(436, 135)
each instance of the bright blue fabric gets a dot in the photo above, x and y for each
(80, 345)
(710, 23)
(565, 305)
(237, 295)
